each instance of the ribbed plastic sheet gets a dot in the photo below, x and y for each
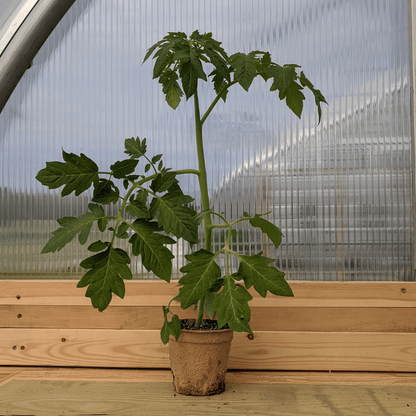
(341, 191)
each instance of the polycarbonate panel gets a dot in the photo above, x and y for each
(341, 192)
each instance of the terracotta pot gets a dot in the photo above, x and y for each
(199, 360)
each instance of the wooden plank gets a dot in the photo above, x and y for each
(233, 376)
(151, 399)
(291, 351)
(310, 294)
(90, 374)
(262, 319)
(5, 378)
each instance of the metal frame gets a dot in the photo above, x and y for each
(29, 30)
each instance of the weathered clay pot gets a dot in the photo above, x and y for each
(199, 360)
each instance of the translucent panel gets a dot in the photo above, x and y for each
(341, 191)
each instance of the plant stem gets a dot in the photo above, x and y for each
(217, 98)
(200, 315)
(203, 184)
(203, 188)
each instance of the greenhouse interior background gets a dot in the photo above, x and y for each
(342, 190)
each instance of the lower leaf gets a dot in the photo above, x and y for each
(256, 271)
(105, 277)
(231, 305)
(170, 328)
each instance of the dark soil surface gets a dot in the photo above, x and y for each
(207, 325)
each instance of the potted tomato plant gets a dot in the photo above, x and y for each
(153, 211)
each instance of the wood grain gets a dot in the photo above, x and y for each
(151, 399)
(307, 294)
(326, 326)
(232, 376)
(321, 319)
(269, 350)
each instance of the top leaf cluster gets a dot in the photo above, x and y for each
(178, 57)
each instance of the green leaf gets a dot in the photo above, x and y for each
(220, 86)
(231, 306)
(141, 196)
(106, 274)
(294, 98)
(256, 272)
(220, 64)
(170, 328)
(175, 218)
(217, 285)
(102, 224)
(208, 304)
(283, 77)
(163, 182)
(319, 98)
(122, 169)
(151, 50)
(150, 245)
(71, 226)
(135, 148)
(263, 65)
(201, 272)
(78, 173)
(245, 69)
(105, 192)
(122, 230)
(268, 228)
(156, 158)
(98, 246)
(170, 87)
(163, 59)
(138, 209)
(190, 71)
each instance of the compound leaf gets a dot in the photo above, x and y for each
(150, 245)
(135, 148)
(137, 209)
(201, 272)
(163, 182)
(294, 98)
(231, 305)
(245, 69)
(105, 277)
(283, 77)
(77, 174)
(175, 218)
(171, 88)
(190, 71)
(122, 169)
(257, 272)
(71, 226)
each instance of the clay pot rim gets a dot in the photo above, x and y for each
(209, 336)
(206, 331)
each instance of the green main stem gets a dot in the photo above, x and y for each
(203, 183)
(203, 187)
